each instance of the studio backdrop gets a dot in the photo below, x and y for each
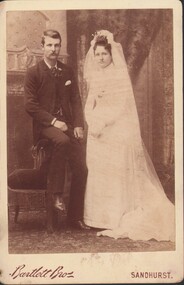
(147, 39)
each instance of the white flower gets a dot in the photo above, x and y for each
(108, 35)
(68, 82)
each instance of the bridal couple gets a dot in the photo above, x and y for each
(115, 188)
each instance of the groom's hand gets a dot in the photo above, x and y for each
(61, 125)
(78, 133)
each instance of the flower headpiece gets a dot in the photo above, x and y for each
(103, 34)
(118, 60)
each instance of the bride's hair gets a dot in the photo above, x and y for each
(102, 41)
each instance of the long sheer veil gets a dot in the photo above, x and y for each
(121, 70)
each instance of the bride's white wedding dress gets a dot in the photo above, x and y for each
(123, 193)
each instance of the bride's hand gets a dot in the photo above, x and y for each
(94, 134)
(95, 131)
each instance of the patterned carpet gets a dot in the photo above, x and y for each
(29, 236)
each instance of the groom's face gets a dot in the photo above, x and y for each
(51, 48)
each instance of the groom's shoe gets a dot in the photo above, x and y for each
(79, 225)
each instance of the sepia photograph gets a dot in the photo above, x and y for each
(92, 143)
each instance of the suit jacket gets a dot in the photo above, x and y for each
(45, 94)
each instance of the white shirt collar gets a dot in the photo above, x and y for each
(49, 66)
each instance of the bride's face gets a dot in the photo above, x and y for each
(102, 56)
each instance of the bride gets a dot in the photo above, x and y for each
(124, 196)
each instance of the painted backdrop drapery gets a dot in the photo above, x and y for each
(146, 37)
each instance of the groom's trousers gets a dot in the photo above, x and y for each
(66, 148)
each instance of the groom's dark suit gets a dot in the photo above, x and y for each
(48, 97)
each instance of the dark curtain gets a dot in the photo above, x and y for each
(134, 29)
(146, 38)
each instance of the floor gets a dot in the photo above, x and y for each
(29, 236)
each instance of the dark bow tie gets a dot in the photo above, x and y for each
(56, 72)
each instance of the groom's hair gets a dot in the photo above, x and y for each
(52, 34)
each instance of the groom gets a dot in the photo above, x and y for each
(52, 99)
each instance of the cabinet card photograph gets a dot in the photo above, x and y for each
(91, 142)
